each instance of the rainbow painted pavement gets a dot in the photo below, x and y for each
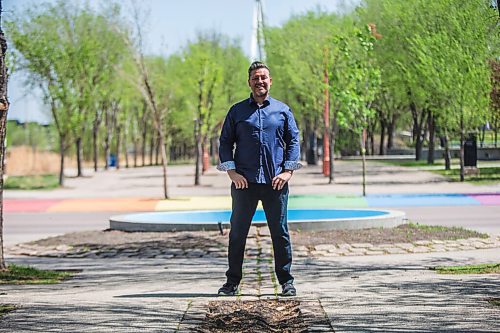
(224, 202)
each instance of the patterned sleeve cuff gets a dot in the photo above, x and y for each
(229, 165)
(291, 165)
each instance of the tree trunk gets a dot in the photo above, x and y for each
(496, 132)
(125, 150)
(310, 144)
(390, 133)
(431, 125)
(447, 154)
(136, 149)
(143, 145)
(164, 162)
(482, 134)
(372, 143)
(418, 134)
(144, 130)
(62, 148)
(4, 108)
(143, 148)
(151, 148)
(331, 149)
(381, 147)
(157, 151)
(363, 160)
(106, 150)
(118, 138)
(462, 147)
(78, 147)
(95, 129)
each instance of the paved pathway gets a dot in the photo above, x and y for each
(393, 293)
(369, 293)
(146, 183)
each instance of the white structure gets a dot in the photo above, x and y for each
(257, 46)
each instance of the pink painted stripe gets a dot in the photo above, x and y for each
(487, 199)
(29, 205)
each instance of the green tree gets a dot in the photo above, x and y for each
(451, 59)
(213, 74)
(69, 52)
(296, 55)
(144, 81)
(358, 82)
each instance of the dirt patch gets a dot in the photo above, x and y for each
(406, 233)
(261, 316)
(182, 239)
(113, 244)
(197, 244)
(206, 239)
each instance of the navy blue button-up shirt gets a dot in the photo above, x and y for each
(266, 139)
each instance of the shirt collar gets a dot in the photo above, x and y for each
(267, 101)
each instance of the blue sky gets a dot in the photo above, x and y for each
(171, 24)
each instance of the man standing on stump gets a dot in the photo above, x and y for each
(266, 138)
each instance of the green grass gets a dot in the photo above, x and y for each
(42, 182)
(438, 228)
(29, 275)
(413, 163)
(469, 269)
(6, 308)
(494, 301)
(487, 175)
(431, 228)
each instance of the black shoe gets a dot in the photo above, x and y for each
(228, 289)
(288, 289)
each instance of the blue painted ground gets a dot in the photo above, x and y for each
(393, 200)
(196, 217)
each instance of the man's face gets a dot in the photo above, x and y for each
(260, 81)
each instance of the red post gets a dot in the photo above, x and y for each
(205, 159)
(326, 118)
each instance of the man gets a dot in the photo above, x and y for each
(266, 137)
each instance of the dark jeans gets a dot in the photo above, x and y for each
(275, 207)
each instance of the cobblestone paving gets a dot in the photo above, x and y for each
(138, 250)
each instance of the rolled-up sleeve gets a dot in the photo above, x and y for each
(292, 153)
(226, 146)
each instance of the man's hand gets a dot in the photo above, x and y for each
(280, 180)
(239, 181)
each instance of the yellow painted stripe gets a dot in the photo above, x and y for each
(194, 203)
(104, 205)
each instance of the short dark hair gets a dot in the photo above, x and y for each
(257, 65)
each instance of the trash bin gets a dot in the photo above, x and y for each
(112, 160)
(470, 151)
